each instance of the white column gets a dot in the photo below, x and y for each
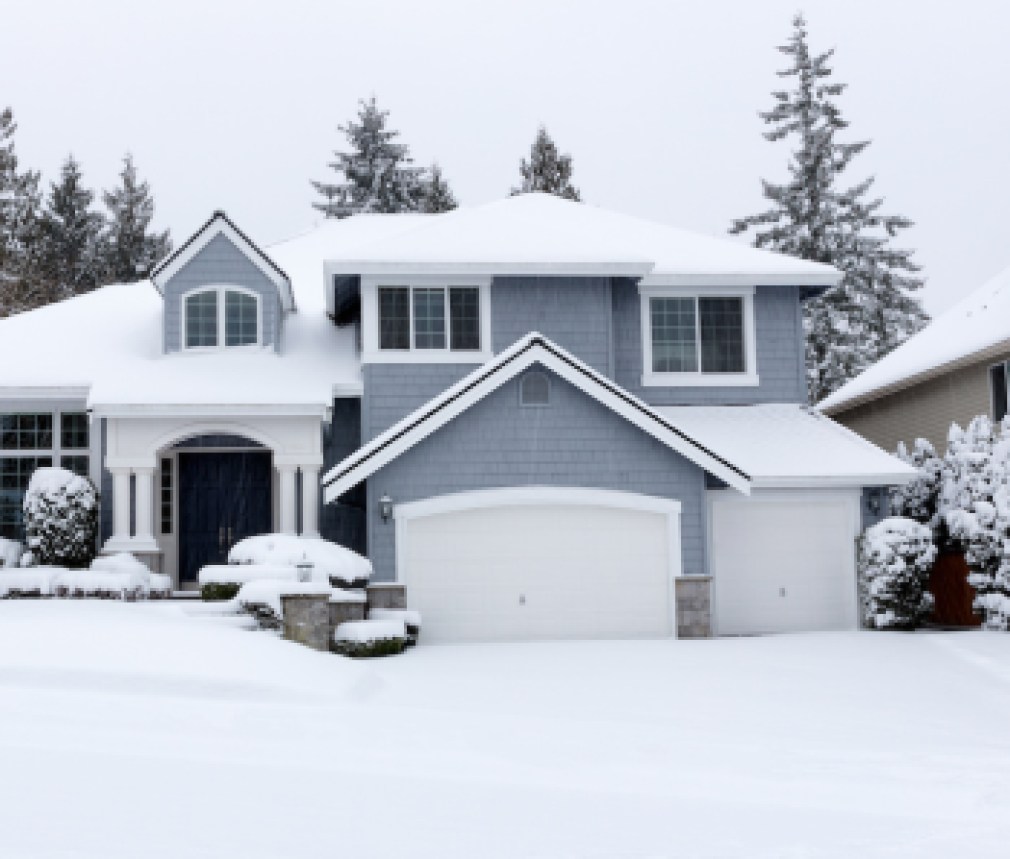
(288, 499)
(120, 504)
(144, 504)
(310, 501)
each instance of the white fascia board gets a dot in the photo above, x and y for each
(635, 268)
(41, 392)
(348, 389)
(853, 481)
(168, 410)
(457, 399)
(715, 279)
(219, 226)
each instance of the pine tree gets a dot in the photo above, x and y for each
(71, 260)
(872, 311)
(437, 195)
(547, 170)
(377, 173)
(130, 250)
(20, 288)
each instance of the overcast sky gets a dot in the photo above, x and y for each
(235, 105)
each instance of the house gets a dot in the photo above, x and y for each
(537, 415)
(950, 372)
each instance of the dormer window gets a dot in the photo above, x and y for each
(221, 316)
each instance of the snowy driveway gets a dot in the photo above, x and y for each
(135, 730)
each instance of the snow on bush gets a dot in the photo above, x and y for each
(10, 553)
(262, 598)
(61, 517)
(895, 558)
(330, 562)
(410, 619)
(370, 637)
(223, 581)
(919, 499)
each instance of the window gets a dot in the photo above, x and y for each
(165, 495)
(74, 430)
(208, 328)
(26, 432)
(429, 318)
(698, 339)
(15, 472)
(998, 386)
(77, 463)
(534, 389)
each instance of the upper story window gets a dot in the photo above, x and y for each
(426, 322)
(698, 338)
(219, 316)
(998, 379)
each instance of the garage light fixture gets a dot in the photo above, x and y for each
(385, 508)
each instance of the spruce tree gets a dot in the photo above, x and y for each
(377, 174)
(547, 170)
(71, 260)
(437, 195)
(873, 310)
(20, 288)
(129, 247)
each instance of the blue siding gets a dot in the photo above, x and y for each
(392, 391)
(220, 263)
(780, 355)
(575, 441)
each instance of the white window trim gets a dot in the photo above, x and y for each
(372, 354)
(698, 379)
(221, 290)
(1005, 364)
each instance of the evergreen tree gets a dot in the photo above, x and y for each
(437, 195)
(547, 170)
(20, 288)
(129, 248)
(872, 311)
(71, 260)
(376, 174)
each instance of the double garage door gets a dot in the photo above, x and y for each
(540, 564)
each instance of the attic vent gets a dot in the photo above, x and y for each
(534, 389)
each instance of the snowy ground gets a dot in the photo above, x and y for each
(138, 730)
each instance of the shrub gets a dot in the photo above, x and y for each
(61, 518)
(219, 591)
(895, 558)
(366, 649)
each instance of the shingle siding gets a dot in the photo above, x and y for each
(220, 263)
(575, 441)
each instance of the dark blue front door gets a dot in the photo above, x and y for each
(223, 497)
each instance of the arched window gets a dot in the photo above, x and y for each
(219, 316)
(534, 389)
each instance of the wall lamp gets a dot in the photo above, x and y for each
(385, 508)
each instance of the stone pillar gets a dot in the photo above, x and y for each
(288, 500)
(694, 606)
(145, 504)
(310, 501)
(120, 504)
(306, 619)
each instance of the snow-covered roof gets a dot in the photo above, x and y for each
(544, 234)
(783, 444)
(977, 325)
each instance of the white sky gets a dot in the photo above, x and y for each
(235, 105)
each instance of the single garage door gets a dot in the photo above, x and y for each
(528, 564)
(784, 564)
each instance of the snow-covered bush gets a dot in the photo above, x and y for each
(410, 619)
(223, 581)
(10, 553)
(61, 517)
(895, 558)
(966, 491)
(330, 562)
(364, 638)
(919, 499)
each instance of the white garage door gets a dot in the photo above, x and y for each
(531, 565)
(786, 564)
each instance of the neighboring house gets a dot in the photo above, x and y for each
(951, 371)
(535, 414)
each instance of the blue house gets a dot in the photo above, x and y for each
(542, 418)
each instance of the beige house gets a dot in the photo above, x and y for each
(953, 370)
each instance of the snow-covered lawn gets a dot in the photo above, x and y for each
(131, 730)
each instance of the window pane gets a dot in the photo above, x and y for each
(429, 318)
(26, 432)
(15, 472)
(240, 323)
(464, 317)
(997, 376)
(674, 339)
(394, 317)
(166, 496)
(721, 335)
(74, 430)
(201, 319)
(77, 464)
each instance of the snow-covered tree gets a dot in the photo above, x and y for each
(129, 246)
(919, 499)
(376, 175)
(873, 310)
(895, 559)
(61, 518)
(71, 258)
(437, 196)
(20, 287)
(547, 169)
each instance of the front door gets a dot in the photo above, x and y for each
(223, 497)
